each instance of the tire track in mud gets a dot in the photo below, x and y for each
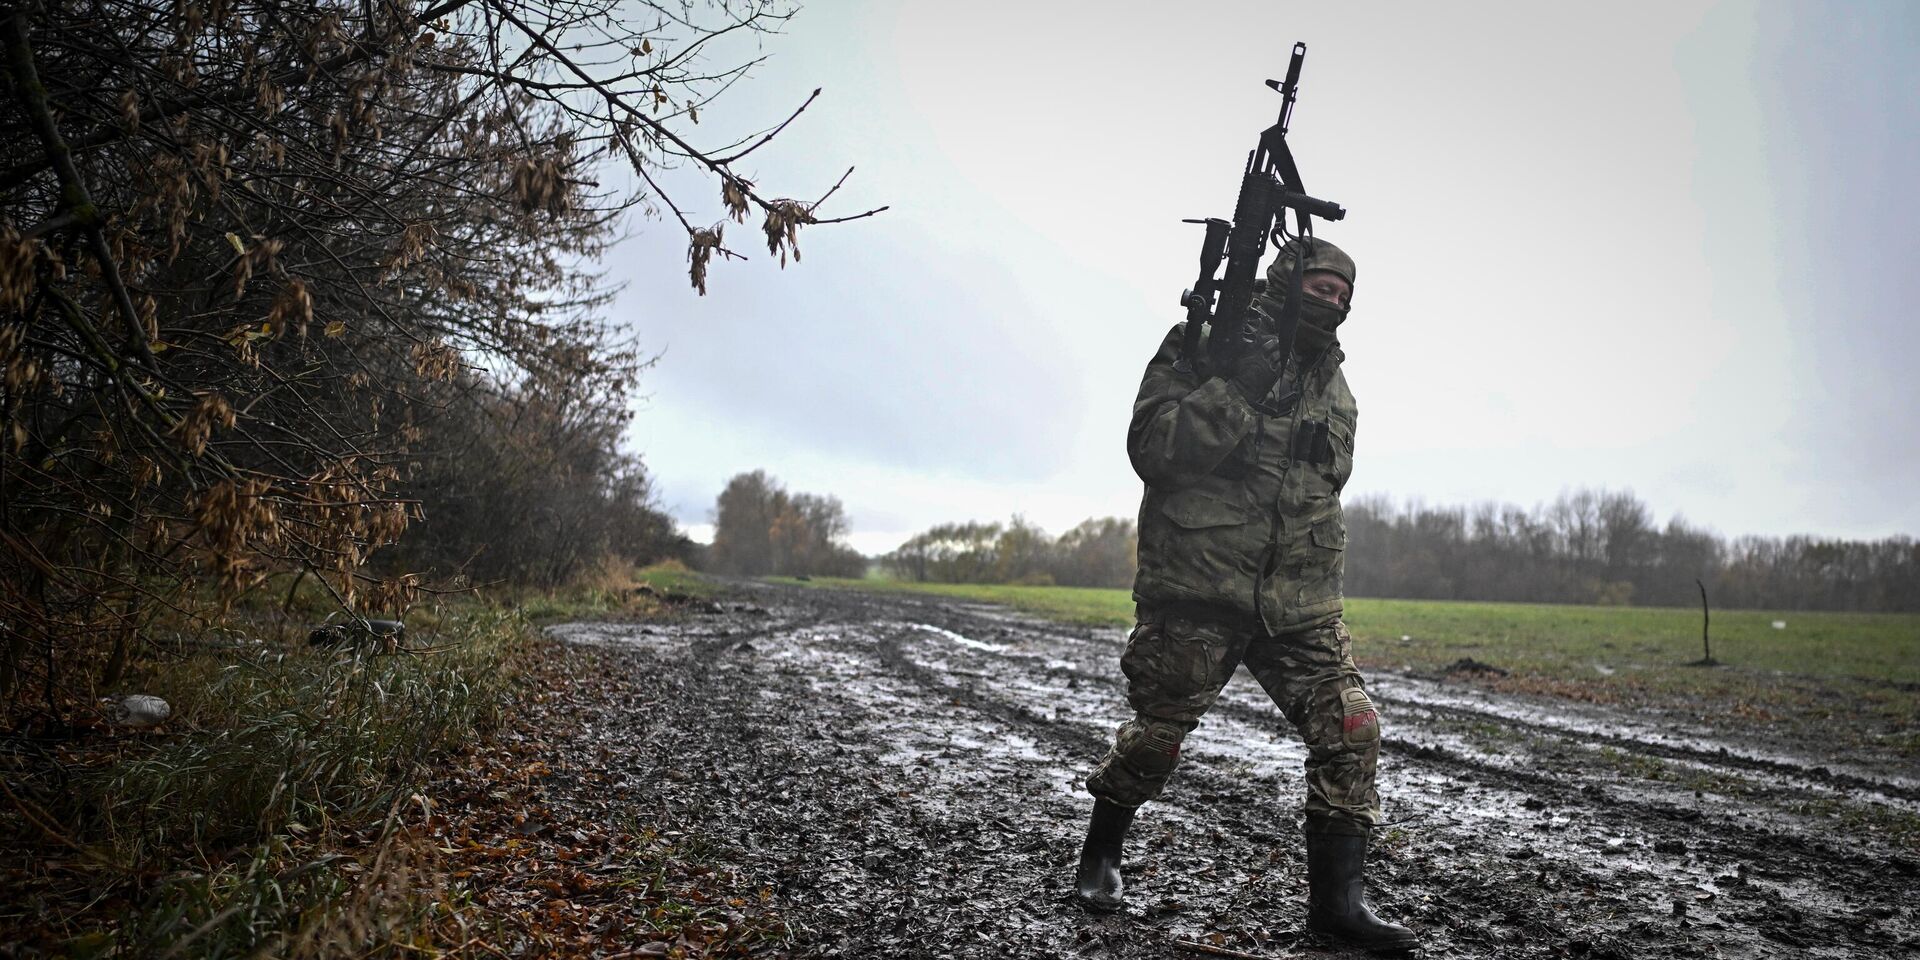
(1201, 792)
(954, 763)
(1402, 691)
(1612, 810)
(1407, 691)
(1719, 758)
(790, 791)
(1182, 873)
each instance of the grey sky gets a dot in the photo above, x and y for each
(1650, 246)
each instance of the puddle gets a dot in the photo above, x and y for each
(957, 638)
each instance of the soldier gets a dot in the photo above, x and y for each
(1241, 554)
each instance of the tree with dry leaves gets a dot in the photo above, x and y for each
(266, 267)
(761, 528)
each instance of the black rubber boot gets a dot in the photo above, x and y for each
(1336, 898)
(1097, 882)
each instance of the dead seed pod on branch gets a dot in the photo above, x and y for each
(700, 247)
(417, 236)
(196, 428)
(784, 218)
(540, 186)
(394, 596)
(235, 519)
(260, 256)
(435, 360)
(17, 256)
(733, 192)
(293, 306)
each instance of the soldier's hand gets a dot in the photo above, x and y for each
(1255, 367)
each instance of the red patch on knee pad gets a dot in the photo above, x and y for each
(1359, 720)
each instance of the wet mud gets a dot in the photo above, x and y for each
(902, 773)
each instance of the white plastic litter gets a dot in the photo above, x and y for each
(136, 710)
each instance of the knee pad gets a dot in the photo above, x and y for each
(1359, 720)
(1150, 746)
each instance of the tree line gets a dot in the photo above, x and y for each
(1587, 546)
(1099, 552)
(1596, 546)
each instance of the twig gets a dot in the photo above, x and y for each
(659, 129)
(776, 132)
(856, 216)
(836, 185)
(1198, 947)
(59, 221)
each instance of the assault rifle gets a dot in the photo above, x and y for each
(1269, 187)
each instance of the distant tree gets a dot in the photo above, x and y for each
(1023, 553)
(949, 553)
(1099, 552)
(760, 529)
(1096, 553)
(743, 518)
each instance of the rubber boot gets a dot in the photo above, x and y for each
(1097, 882)
(1336, 897)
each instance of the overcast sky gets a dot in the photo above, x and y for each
(1650, 246)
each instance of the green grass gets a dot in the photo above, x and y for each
(674, 577)
(1575, 640)
(1083, 605)
(1556, 640)
(294, 739)
(619, 591)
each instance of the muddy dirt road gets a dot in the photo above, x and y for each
(903, 774)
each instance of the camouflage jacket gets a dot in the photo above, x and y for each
(1231, 518)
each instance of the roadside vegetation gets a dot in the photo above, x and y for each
(299, 800)
(272, 812)
(302, 320)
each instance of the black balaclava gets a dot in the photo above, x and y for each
(1319, 319)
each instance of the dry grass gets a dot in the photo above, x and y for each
(263, 818)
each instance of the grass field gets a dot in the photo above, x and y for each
(1536, 637)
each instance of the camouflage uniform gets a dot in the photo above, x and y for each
(1241, 553)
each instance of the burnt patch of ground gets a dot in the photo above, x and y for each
(896, 775)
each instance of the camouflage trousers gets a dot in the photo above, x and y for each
(1177, 664)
